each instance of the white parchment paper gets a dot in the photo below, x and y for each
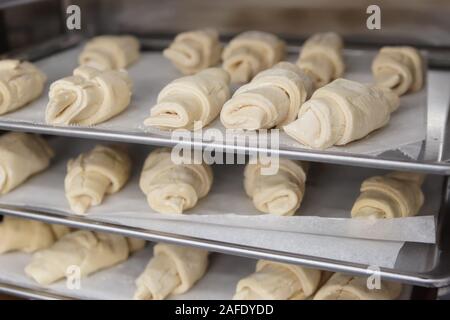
(152, 72)
(321, 228)
(219, 283)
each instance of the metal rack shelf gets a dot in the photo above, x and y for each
(439, 276)
(433, 157)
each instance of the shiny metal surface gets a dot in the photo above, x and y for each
(28, 293)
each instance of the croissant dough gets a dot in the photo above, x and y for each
(192, 101)
(278, 281)
(88, 97)
(21, 156)
(341, 112)
(18, 234)
(20, 83)
(110, 52)
(92, 175)
(195, 50)
(399, 69)
(90, 251)
(173, 188)
(321, 58)
(271, 99)
(173, 270)
(280, 193)
(251, 52)
(346, 287)
(396, 194)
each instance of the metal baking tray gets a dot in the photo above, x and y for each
(219, 282)
(434, 259)
(433, 155)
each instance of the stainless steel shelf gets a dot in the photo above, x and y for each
(439, 276)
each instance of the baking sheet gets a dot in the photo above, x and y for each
(321, 228)
(152, 72)
(117, 283)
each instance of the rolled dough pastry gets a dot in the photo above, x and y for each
(341, 112)
(394, 195)
(399, 69)
(17, 234)
(173, 270)
(280, 193)
(20, 83)
(89, 251)
(271, 99)
(321, 58)
(173, 188)
(194, 51)
(191, 101)
(110, 52)
(21, 156)
(92, 175)
(251, 52)
(278, 281)
(88, 97)
(346, 287)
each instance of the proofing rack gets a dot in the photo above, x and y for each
(433, 159)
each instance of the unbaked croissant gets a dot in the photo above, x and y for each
(321, 58)
(280, 193)
(341, 112)
(278, 281)
(346, 287)
(21, 156)
(110, 52)
(195, 50)
(399, 69)
(17, 234)
(271, 99)
(173, 188)
(87, 250)
(251, 52)
(173, 270)
(92, 175)
(396, 194)
(192, 101)
(88, 97)
(20, 83)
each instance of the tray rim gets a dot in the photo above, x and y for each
(439, 168)
(438, 277)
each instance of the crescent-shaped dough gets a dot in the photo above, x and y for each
(280, 193)
(89, 251)
(346, 287)
(278, 281)
(173, 188)
(21, 156)
(20, 83)
(341, 112)
(173, 270)
(399, 69)
(396, 194)
(271, 99)
(192, 101)
(25, 235)
(321, 58)
(251, 52)
(92, 175)
(88, 97)
(195, 50)
(110, 52)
